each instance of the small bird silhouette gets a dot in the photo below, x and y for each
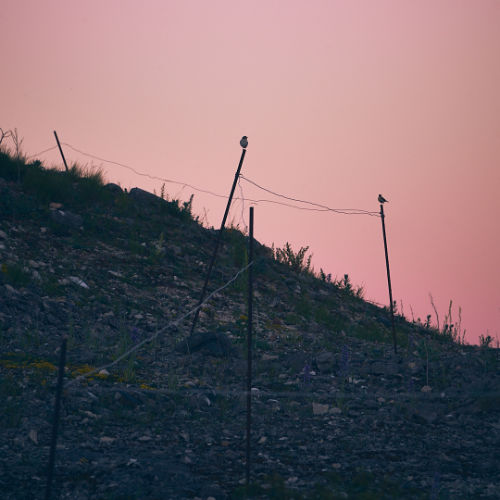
(244, 142)
(381, 199)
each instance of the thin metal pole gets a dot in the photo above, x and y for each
(382, 216)
(60, 150)
(219, 237)
(249, 346)
(53, 442)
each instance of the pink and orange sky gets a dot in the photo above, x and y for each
(341, 100)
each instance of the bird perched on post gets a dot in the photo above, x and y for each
(381, 199)
(244, 142)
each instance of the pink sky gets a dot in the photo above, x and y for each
(340, 100)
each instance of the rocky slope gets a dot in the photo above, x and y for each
(336, 414)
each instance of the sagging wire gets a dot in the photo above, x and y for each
(320, 207)
(317, 206)
(41, 152)
(137, 172)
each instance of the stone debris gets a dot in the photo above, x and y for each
(66, 218)
(78, 281)
(106, 440)
(33, 435)
(320, 409)
(331, 409)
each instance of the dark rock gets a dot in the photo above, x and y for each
(424, 415)
(213, 343)
(326, 362)
(127, 399)
(113, 188)
(145, 197)
(297, 361)
(66, 218)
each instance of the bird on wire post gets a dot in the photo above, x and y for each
(382, 200)
(243, 144)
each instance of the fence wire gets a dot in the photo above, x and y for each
(319, 207)
(162, 330)
(313, 206)
(41, 152)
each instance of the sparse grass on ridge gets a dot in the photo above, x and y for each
(80, 187)
(337, 415)
(80, 184)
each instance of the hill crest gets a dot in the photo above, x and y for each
(110, 269)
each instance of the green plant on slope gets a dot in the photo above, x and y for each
(157, 249)
(14, 274)
(485, 341)
(296, 261)
(172, 206)
(125, 343)
(346, 286)
(451, 331)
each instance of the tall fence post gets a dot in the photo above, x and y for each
(55, 425)
(249, 346)
(219, 237)
(382, 216)
(60, 150)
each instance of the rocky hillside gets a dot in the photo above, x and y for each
(336, 414)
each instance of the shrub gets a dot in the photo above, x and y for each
(176, 208)
(296, 261)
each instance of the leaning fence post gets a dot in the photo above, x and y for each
(55, 425)
(60, 150)
(244, 145)
(382, 216)
(249, 346)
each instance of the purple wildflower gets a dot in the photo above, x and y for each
(344, 361)
(307, 374)
(435, 486)
(134, 335)
(411, 385)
